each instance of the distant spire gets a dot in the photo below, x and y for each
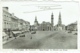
(59, 21)
(52, 19)
(59, 14)
(36, 22)
(52, 15)
(35, 18)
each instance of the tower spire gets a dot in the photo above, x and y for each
(35, 18)
(59, 21)
(52, 19)
(35, 22)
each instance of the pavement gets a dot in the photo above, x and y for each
(44, 40)
(12, 38)
(60, 40)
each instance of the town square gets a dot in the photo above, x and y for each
(31, 33)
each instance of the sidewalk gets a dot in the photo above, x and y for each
(10, 39)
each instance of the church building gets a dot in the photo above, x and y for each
(59, 26)
(47, 26)
(44, 26)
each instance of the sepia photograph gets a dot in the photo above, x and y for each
(40, 26)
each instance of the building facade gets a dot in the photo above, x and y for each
(12, 22)
(72, 26)
(27, 26)
(6, 19)
(9, 20)
(47, 26)
(44, 26)
(23, 25)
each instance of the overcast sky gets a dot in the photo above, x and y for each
(28, 11)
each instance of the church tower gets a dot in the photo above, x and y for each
(52, 20)
(35, 22)
(59, 21)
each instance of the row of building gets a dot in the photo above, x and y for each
(49, 26)
(11, 22)
(44, 26)
(72, 27)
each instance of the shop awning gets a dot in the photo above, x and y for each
(16, 32)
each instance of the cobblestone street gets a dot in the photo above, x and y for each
(44, 40)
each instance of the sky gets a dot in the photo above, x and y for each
(27, 11)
